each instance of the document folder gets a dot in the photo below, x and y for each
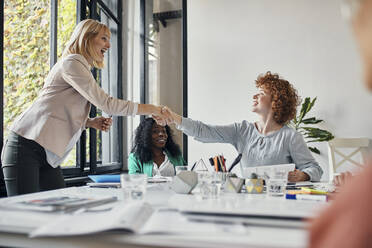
(105, 178)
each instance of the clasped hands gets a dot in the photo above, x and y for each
(166, 116)
(163, 116)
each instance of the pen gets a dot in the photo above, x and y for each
(192, 168)
(211, 161)
(236, 161)
(322, 198)
(104, 186)
(314, 191)
(298, 191)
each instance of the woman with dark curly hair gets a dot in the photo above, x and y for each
(267, 141)
(154, 152)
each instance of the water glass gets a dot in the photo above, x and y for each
(133, 186)
(211, 184)
(219, 179)
(207, 190)
(276, 184)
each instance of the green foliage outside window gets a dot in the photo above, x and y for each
(26, 54)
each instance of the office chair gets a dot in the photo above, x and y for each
(338, 147)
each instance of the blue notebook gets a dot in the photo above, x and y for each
(105, 178)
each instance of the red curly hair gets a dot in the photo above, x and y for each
(284, 97)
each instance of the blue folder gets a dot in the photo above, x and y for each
(105, 178)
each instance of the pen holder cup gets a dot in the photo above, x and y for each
(254, 186)
(233, 184)
(184, 182)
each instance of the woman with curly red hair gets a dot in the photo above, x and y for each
(267, 141)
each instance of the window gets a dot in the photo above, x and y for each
(109, 146)
(26, 55)
(66, 20)
(97, 151)
(165, 54)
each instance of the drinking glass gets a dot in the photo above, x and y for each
(277, 182)
(133, 186)
(207, 189)
(180, 168)
(219, 179)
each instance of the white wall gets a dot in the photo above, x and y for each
(305, 41)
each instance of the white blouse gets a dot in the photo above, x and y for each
(166, 169)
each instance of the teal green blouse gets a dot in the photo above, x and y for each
(135, 166)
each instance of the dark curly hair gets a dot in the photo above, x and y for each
(284, 97)
(143, 141)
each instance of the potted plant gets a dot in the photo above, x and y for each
(304, 125)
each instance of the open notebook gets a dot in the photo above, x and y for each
(130, 217)
(63, 203)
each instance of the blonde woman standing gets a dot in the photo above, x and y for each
(43, 135)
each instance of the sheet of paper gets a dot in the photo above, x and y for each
(104, 185)
(177, 223)
(247, 205)
(253, 236)
(263, 171)
(180, 229)
(23, 221)
(159, 179)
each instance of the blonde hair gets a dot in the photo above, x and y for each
(81, 41)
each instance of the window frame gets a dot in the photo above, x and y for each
(144, 78)
(88, 9)
(2, 183)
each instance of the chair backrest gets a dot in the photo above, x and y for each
(336, 146)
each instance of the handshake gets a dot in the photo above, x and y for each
(166, 116)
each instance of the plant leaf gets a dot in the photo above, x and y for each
(314, 150)
(311, 120)
(317, 134)
(309, 107)
(304, 108)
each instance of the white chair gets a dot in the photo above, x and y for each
(336, 147)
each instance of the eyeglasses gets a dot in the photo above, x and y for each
(349, 8)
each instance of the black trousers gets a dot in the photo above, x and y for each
(26, 169)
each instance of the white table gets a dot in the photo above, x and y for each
(200, 232)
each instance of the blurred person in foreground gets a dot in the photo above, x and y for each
(347, 222)
(342, 179)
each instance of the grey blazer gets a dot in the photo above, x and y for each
(63, 105)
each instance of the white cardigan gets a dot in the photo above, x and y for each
(63, 105)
